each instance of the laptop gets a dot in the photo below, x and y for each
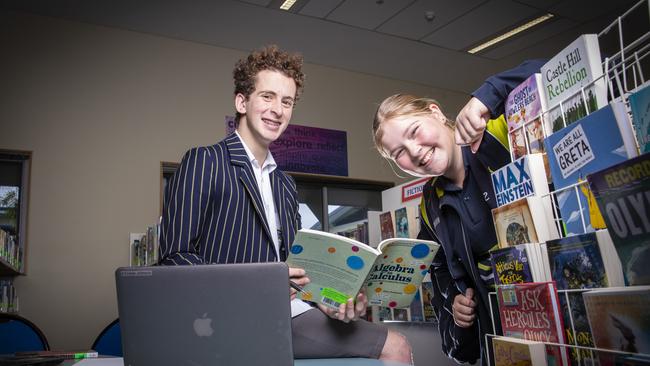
(206, 315)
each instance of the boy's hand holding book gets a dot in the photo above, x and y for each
(298, 279)
(348, 311)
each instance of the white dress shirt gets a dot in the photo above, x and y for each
(263, 179)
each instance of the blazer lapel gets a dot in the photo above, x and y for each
(239, 158)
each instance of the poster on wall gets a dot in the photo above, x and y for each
(306, 149)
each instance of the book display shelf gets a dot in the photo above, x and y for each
(591, 299)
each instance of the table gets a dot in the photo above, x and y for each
(118, 361)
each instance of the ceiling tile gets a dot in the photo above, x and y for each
(368, 14)
(411, 22)
(585, 10)
(480, 24)
(257, 2)
(541, 4)
(319, 8)
(529, 38)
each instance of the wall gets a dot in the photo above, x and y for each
(101, 108)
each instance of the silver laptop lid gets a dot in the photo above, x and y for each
(223, 314)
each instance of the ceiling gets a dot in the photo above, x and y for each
(387, 38)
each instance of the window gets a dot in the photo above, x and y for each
(337, 204)
(14, 193)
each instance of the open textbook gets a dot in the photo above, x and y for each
(339, 267)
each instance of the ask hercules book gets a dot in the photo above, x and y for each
(339, 267)
(532, 311)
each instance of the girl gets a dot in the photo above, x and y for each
(455, 210)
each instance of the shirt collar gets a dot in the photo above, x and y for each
(445, 184)
(269, 163)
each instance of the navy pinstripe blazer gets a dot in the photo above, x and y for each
(213, 211)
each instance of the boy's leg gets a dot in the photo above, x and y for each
(315, 335)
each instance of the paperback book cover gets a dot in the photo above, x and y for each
(523, 177)
(528, 220)
(524, 112)
(640, 108)
(427, 296)
(573, 83)
(623, 195)
(401, 223)
(510, 351)
(514, 224)
(574, 316)
(619, 318)
(595, 142)
(386, 225)
(415, 309)
(532, 311)
(339, 267)
(512, 264)
(576, 262)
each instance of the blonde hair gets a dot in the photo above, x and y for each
(400, 105)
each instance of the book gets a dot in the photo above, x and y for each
(532, 311)
(386, 225)
(640, 108)
(69, 355)
(427, 296)
(622, 192)
(619, 318)
(527, 220)
(521, 178)
(576, 327)
(415, 309)
(524, 109)
(517, 264)
(595, 142)
(573, 83)
(339, 267)
(401, 223)
(401, 315)
(577, 261)
(510, 351)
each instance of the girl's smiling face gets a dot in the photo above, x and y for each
(421, 144)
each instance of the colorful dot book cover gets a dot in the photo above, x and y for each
(339, 267)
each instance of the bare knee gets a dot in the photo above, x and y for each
(396, 348)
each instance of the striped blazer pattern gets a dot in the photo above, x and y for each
(213, 211)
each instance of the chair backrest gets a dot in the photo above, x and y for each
(109, 341)
(18, 334)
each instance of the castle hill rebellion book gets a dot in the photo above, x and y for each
(640, 108)
(573, 82)
(623, 195)
(339, 267)
(531, 311)
(595, 142)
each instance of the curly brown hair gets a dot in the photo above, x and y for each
(267, 58)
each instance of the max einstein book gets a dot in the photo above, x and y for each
(339, 267)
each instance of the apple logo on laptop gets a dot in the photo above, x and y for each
(203, 326)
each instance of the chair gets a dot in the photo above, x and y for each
(109, 341)
(18, 334)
